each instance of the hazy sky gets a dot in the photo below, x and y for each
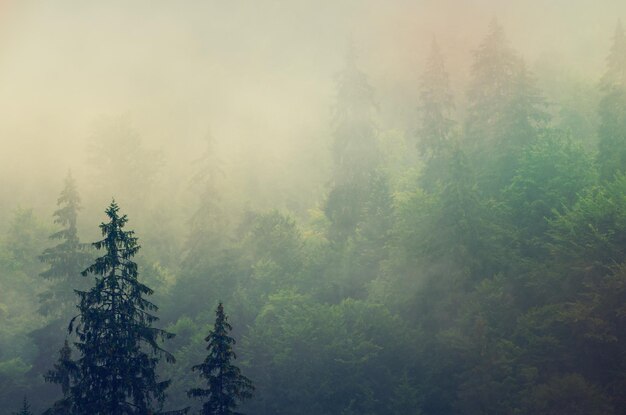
(259, 73)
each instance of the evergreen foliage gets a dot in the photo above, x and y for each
(355, 148)
(226, 385)
(505, 110)
(116, 370)
(489, 277)
(67, 259)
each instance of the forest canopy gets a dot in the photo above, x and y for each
(224, 209)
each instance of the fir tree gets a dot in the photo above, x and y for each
(67, 259)
(226, 385)
(116, 371)
(612, 133)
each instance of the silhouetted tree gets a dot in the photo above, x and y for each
(226, 385)
(119, 350)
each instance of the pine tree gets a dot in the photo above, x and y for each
(436, 105)
(116, 371)
(612, 133)
(67, 259)
(226, 385)
(25, 408)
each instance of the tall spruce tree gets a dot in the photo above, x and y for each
(67, 259)
(612, 133)
(119, 349)
(226, 385)
(65, 262)
(355, 151)
(505, 111)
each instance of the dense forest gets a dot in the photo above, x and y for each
(462, 251)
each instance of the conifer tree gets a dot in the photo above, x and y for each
(355, 151)
(62, 374)
(612, 133)
(226, 386)
(119, 349)
(67, 259)
(25, 408)
(505, 111)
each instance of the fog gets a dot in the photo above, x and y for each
(400, 216)
(260, 75)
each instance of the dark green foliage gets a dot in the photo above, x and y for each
(300, 348)
(227, 387)
(118, 347)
